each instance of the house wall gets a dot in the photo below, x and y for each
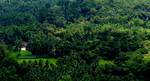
(23, 49)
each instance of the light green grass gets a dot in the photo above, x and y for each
(147, 57)
(25, 53)
(52, 61)
(27, 56)
(105, 62)
(18, 54)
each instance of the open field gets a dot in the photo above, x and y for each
(26, 56)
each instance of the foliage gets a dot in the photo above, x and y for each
(3, 51)
(75, 40)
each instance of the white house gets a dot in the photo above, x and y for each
(23, 49)
(23, 46)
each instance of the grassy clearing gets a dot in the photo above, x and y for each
(26, 56)
(147, 57)
(25, 53)
(52, 61)
(105, 62)
(20, 54)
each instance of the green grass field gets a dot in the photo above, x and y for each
(147, 57)
(52, 61)
(26, 56)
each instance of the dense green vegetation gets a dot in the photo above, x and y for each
(75, 40)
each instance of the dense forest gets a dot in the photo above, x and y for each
(75, 40)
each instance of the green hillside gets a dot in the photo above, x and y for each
(74, 40)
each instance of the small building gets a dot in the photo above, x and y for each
(23, 46)
(23, 49)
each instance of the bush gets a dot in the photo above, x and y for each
(3, 51)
